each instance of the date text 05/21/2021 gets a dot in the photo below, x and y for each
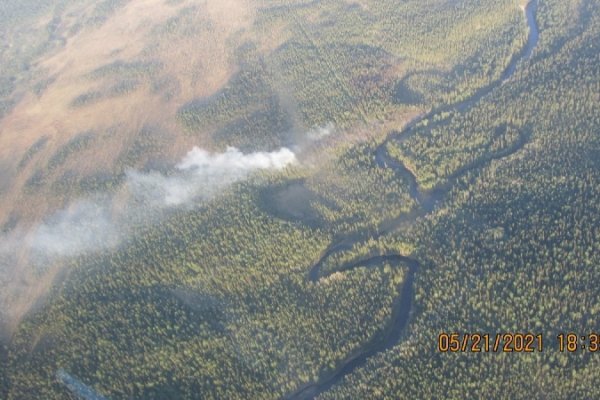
(515, 342)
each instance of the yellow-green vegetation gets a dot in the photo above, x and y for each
(515, 248)
(213, 300)
(257, 78)
(247, 113)
(216, 300)
(343, 61)
(365, 250)
(358, 194)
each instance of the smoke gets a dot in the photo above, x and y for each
(321, 132)
(201, 175)
(95, 224)
(99, 223)
(84, 226)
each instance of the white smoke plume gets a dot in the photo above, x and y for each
(84, 226)
(321, 132)
(202, 174)
(91, 224)
(100, 223)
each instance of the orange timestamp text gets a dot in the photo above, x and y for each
(490, 343)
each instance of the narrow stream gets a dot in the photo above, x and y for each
(427, 200)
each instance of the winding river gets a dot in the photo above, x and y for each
(402, 305)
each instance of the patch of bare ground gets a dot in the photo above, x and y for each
(188, 65)
(191, 66)
(197, 65)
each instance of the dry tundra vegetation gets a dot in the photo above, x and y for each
(214, 301)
